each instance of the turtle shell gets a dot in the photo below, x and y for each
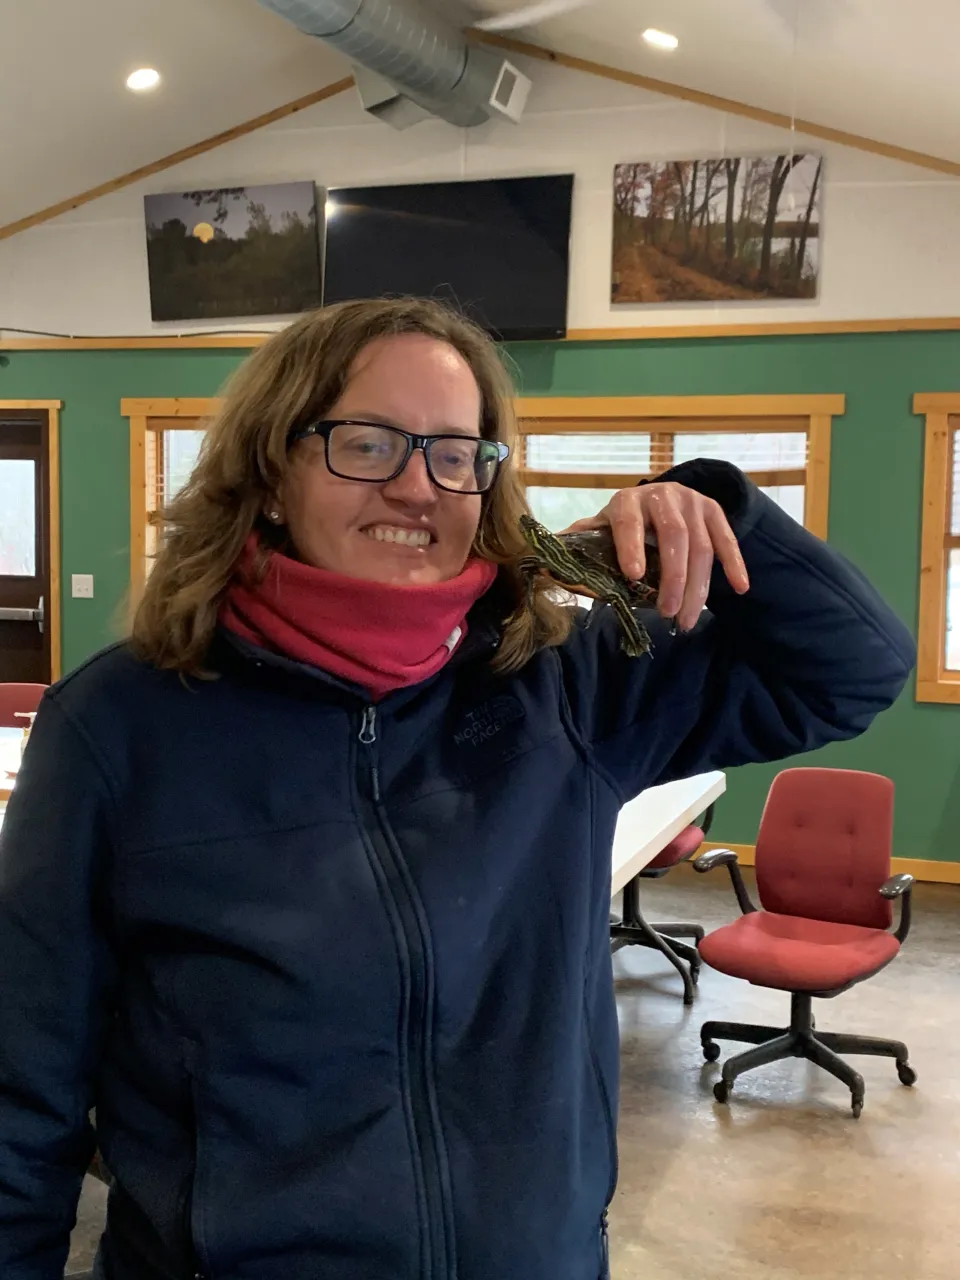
(599, 545)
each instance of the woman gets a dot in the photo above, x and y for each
(306, 886)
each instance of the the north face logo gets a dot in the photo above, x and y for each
(485, 721)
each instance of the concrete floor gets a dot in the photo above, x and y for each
(782, 1184)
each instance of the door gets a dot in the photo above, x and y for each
(25, 631)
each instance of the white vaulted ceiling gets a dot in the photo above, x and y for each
(881, 68)
(67, 121)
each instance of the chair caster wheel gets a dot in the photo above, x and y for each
(721, 1091)
(857, 1107)
(906, 1073)
(711, 1051)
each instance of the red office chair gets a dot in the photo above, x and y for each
(18, 697)
(633, 930)
(823, 873)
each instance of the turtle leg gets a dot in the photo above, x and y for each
(634, 639)
(528, 569)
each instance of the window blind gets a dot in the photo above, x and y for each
(643, 454)
(617, 454)
(758, 451)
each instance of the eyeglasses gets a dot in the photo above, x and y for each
(375, 453)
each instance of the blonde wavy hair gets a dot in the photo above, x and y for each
(294, 379)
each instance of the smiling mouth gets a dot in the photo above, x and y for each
(416, 538)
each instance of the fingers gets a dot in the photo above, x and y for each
(700, 558)
(624, 512)
(670, 524)
(692, 532)
(727, 549)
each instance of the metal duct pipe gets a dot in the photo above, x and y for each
(427, 59)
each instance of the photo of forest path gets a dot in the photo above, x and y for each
(233, 251)
(736, 229)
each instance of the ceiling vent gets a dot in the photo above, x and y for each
(412, 63)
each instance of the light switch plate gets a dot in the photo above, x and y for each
(82, 586)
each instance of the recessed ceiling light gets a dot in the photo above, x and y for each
(143, 80)
(660, 39)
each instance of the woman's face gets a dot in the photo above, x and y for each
(421, 385)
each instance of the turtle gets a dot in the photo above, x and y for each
(586, 563)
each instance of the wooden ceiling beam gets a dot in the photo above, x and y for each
(731, 106)
(176, 157)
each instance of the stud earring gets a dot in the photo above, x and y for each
(274, 515)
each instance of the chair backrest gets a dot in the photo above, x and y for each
(18, 697)
(823, 849)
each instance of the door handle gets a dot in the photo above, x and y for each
(23, 615)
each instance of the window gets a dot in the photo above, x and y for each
(575, 452)
(165, 440)
(938, 660)
(18, 517)
(172, 449)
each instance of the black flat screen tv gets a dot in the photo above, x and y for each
(498, 249)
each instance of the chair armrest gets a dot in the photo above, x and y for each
(726, 858)
(897, 886)
(901, 887)
(715, 858)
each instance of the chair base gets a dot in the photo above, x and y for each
(635, 931)
(799, 1040)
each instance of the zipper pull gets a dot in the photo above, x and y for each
(368, 726)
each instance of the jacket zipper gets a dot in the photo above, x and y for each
(604, 1246)
(611, 1128)
(438, 1262)
(201, 1270)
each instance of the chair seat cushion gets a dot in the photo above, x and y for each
(793, 953)
(681, 847)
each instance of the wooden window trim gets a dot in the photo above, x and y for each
(934, 682)
(666, 416)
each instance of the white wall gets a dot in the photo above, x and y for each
(890, 231)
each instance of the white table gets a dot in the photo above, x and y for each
(658, 815)
(10, 740)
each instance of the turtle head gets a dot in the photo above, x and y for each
(538, 538)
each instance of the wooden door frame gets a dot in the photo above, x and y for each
(54, 609)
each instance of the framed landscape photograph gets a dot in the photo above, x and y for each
(233, 251)
(737, 229)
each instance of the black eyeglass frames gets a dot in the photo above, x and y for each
(376, 453)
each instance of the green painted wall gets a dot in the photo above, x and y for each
(875, 499)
